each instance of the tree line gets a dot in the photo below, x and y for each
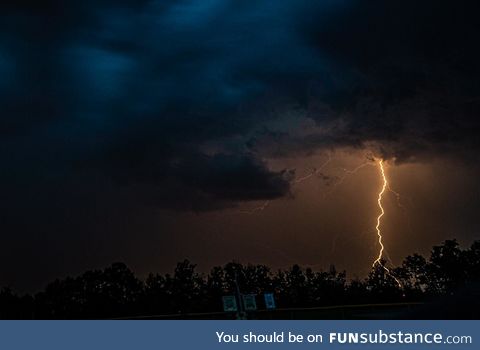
(116, 292)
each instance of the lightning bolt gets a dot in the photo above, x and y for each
(403, 208)
(256, 209)
(382, 213)
(347, 173)
(378, 260)
(297, 181)
(398, 197)
(314, 171)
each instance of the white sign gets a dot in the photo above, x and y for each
(229, 303)
(249, 302)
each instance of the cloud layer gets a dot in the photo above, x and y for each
(172, 101)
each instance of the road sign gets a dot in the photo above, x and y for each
(249, 302)
(229, 303)
(269, 301)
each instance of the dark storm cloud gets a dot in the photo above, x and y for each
(414, 82)
(132, 91)
(138, 91)
(405, 82)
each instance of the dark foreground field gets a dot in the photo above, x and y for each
(464, 305)
(351, 312)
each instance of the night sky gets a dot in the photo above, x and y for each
(152, 131)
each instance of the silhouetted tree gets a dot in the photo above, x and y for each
(215, 288)
(156, 297)
(185, 287)
(381, 284)
(14, 307)
(116, 292)
(108, 293)
(472, 260)
(356, 292)
(293, 286)
(413, 275)
(447, 267)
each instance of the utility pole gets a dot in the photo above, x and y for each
(241, 315)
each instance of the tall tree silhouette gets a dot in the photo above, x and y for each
(382, 285)
(115, 291)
